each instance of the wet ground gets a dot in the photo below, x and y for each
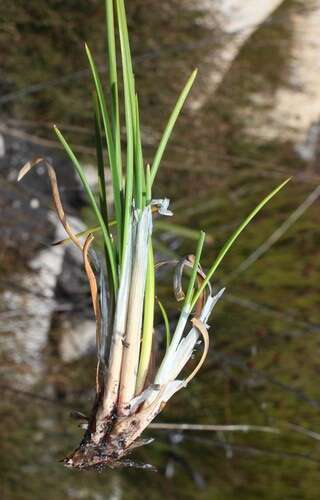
(252, 120)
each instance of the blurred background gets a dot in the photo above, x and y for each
(252, 120)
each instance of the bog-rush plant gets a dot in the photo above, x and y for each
(123, 284)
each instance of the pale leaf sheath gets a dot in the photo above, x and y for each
(119, 329)
(135, 312)
(175, 360)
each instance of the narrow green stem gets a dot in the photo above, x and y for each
(113, 79)
(110, 143)
(166, 323)
(100, 162)
(101, 176)
(148, 185)
(129, 114)
(140, 180)
(147, 331)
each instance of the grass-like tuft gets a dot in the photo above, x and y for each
(123, 284)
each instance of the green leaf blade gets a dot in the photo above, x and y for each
(166, 323)
(148, 320)
(235, 236)
(171, 123)
(93, 203)
(109, 136)
(195, 267)
(113, 82)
